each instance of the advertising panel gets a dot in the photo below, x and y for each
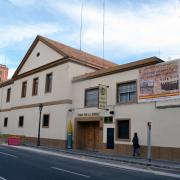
(159, 82)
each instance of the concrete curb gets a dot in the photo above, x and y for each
(124, 159)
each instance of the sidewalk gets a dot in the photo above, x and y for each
(171, 165)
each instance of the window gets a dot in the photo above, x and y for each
(24, 89)
(21, 121)
(45, 121)
(8, 94)
(127, 92)
(91, 97)
(48, 86)
(5, 122)
(123, 129)
(35, 86)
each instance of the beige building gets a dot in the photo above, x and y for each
(69, 84)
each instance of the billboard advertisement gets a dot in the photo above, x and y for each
(158, 82)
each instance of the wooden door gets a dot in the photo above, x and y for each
(89, 135)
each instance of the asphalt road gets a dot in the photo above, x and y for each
(17, 164)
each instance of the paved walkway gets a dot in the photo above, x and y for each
(125, 159)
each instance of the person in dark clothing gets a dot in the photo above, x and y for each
(136, 146)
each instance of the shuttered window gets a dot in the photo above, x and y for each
(24, 89)
(48, 86)
(91, 97)
(8, 95)
(35, 86)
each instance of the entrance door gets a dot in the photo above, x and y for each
(110, 138)
(88, 135)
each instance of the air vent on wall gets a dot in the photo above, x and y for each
(38, 54)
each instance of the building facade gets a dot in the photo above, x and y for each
(3, 73)
(128, 110)
(106, 103)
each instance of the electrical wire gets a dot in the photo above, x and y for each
(81, 25)
(104, 4)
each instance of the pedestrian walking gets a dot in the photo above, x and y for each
(136, 146)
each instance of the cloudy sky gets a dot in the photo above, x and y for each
(134, 29)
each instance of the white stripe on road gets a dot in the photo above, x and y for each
(8, 154)
(2, 178)
(71, 172)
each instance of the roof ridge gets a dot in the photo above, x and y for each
(83, 54)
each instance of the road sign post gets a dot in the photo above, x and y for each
(149, 141)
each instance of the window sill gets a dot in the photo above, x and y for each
(45, 126)
(46, 92)
(90, 106)
(34, 94)
(123, 140)
(126, 103)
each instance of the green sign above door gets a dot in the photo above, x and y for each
(108, 119)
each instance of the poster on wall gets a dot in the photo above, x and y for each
(159, 82)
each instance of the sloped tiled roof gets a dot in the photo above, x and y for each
(68, 52)
(119, 68)
(80, 55)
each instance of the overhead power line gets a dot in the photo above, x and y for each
(104, 4)
(81, 25)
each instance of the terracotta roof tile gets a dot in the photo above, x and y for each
(79, 55)
(119, 68)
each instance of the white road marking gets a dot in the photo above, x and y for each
(2, 178)
(5, 148)
(166, 174)
(71, 172)
(155, 172)
(7, 154)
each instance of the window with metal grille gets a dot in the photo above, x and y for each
(127, 92)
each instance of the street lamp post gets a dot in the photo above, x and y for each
(40, 110)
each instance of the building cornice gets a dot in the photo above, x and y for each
(49, 103)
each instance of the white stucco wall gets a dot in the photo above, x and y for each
(57, 123)
(47, 55)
